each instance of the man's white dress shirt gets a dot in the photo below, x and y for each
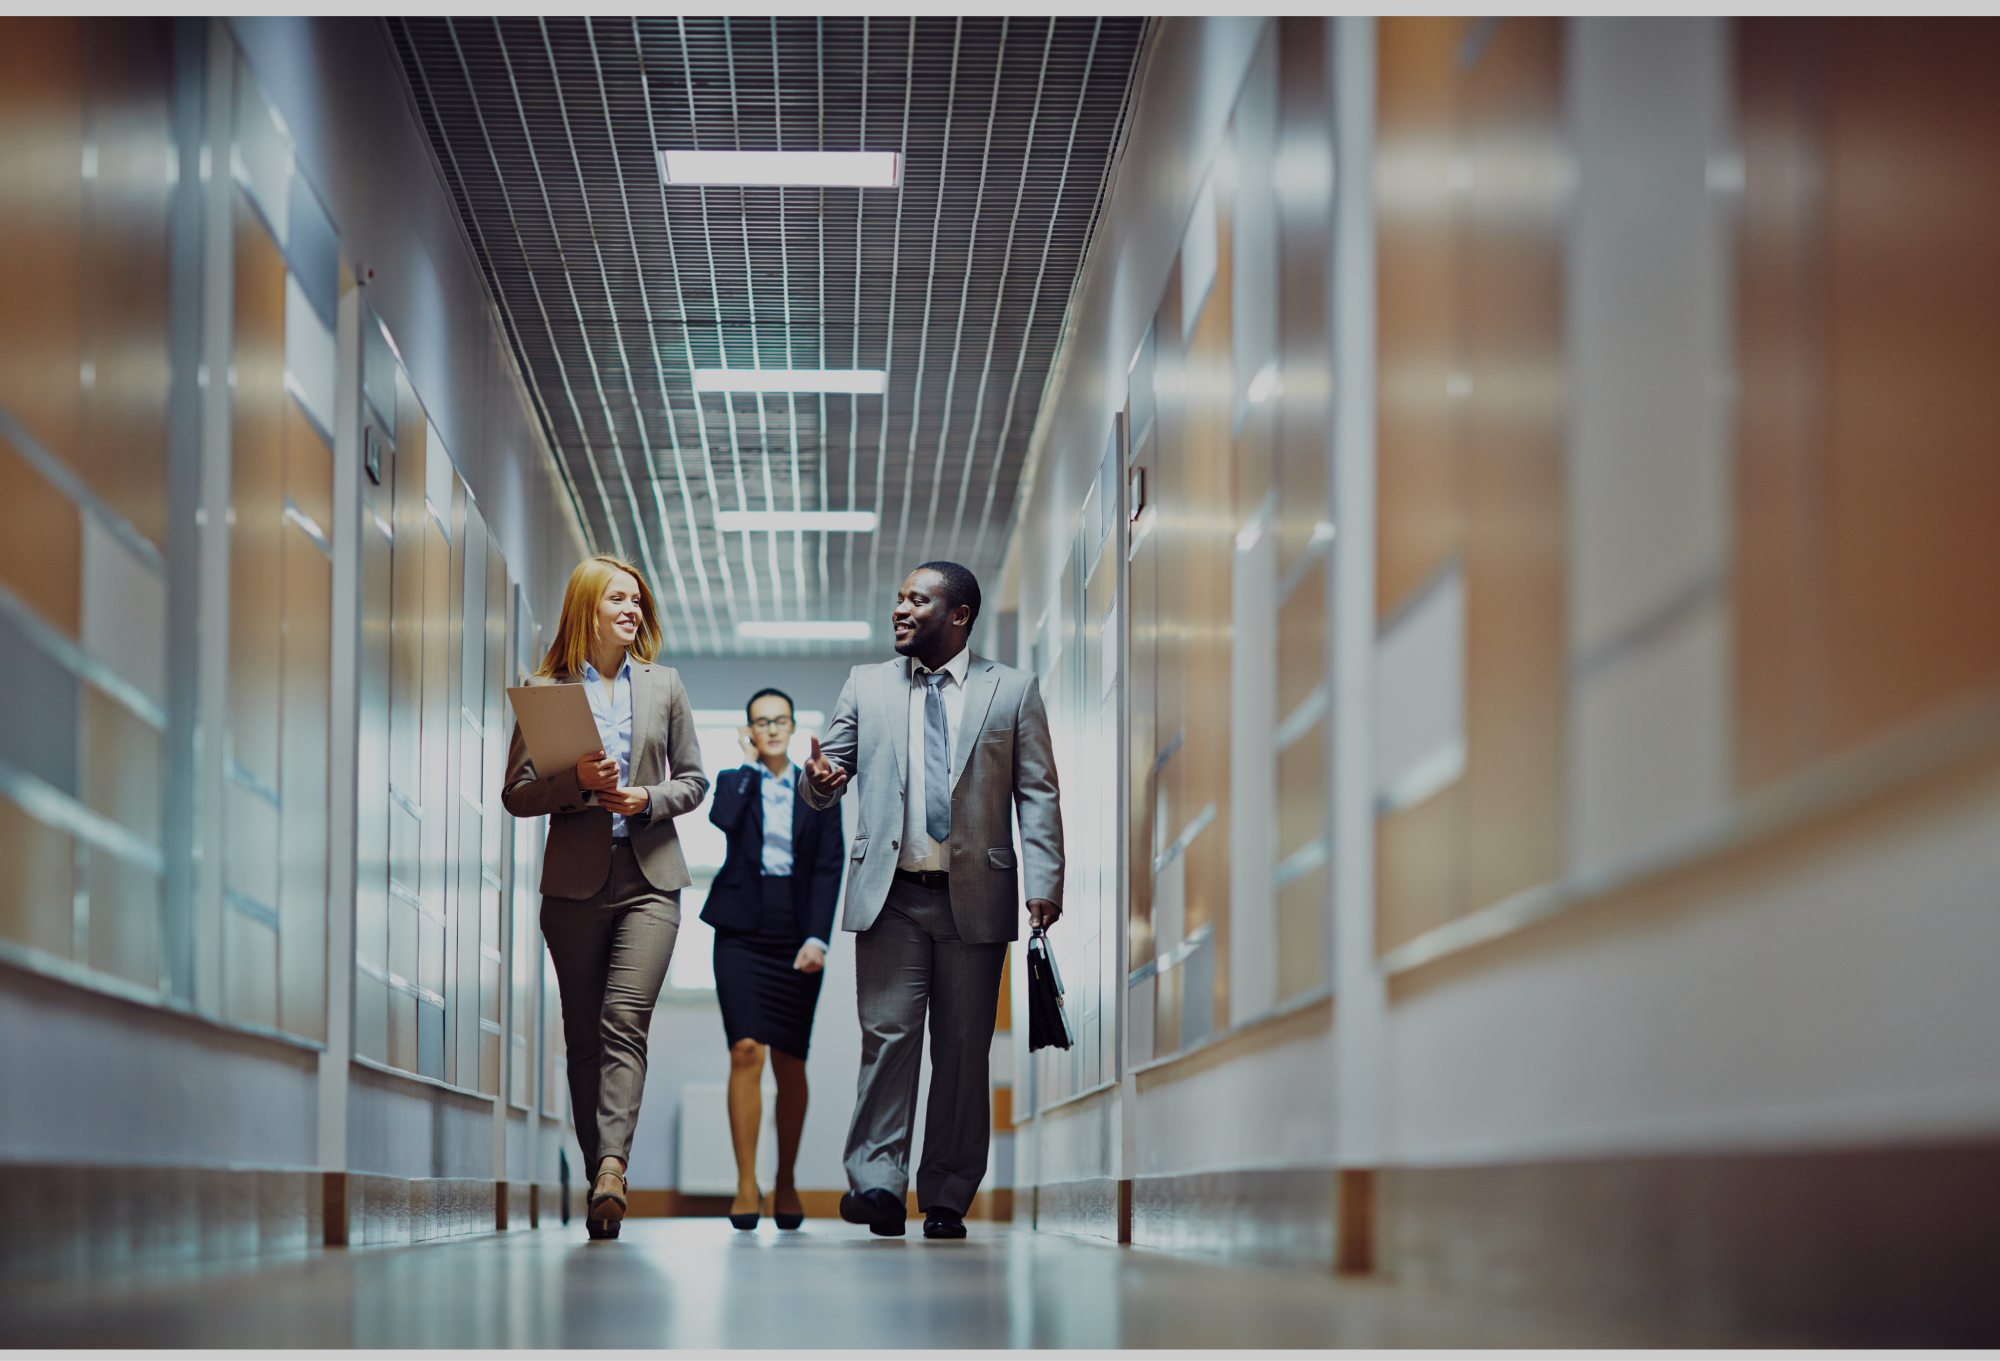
(919, 852)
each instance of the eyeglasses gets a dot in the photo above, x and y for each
(770, 724)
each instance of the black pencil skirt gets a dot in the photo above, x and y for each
(763, 997)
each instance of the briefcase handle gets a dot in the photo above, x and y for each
(1041, 933)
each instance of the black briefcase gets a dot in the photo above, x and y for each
(1047, 1025)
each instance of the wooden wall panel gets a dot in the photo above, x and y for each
(302, 890)
(1780, 514)
(1869, 322)
(1470, 437)
(37, 883)
(1304, 406)
(1305, 231)
(256, 496)
(1913, 201)
(41, 552)
(42, 85)
(122, 447)
(1513, 464)
(1419, 384)
(1418, 305)
(1419, 867)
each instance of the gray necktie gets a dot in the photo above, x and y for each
(937, 758)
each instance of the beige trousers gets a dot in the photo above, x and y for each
(611, 952)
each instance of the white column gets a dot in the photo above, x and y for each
(343, 738)
(1360, 1006)
(212, 516)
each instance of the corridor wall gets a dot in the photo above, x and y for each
(1172, 571)
(1607, 388)
(256, 617)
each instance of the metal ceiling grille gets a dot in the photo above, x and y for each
(615, 286)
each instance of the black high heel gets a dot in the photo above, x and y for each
(749, 1221)
(602, 1228)
(785, 1221)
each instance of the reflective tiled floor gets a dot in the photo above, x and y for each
(699, 1283)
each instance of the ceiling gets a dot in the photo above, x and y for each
(614, 286)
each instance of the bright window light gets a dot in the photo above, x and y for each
(806, 630)
(811, 169)
(852, 521)
(864, 381)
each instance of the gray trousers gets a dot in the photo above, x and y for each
(909, 962)
(611, 952)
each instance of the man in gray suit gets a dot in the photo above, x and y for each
(947, 747)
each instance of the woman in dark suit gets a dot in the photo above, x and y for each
(772, 909)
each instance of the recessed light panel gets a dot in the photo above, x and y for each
(801, 169)
(806, 630)
(850, 521)
(861, 381)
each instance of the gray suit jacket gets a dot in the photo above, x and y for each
(666, 763)
(1002, 762)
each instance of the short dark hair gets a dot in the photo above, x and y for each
(960, 586)
(790, 709)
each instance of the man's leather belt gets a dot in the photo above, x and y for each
(927, 878)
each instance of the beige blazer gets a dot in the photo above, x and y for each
(1003, 768)
(666, 763)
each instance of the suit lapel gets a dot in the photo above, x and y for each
(982, 678)
(642, 691)
(896, 703)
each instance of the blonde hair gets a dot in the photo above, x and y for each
(576, 632)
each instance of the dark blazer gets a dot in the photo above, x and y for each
(736, 898)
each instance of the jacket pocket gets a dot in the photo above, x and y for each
(1001, 857)
(859, 849)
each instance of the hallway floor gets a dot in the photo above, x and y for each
(699, 1283)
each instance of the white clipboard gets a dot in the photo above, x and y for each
(557, 722)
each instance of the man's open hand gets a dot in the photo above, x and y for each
(828, 780)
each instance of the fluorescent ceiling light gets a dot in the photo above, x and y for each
(810, 169)
(864, 381)
(807, 630)
(852, 521)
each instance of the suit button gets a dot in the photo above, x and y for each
(894, 846)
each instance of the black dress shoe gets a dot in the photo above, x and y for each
(942, 1223)
(880, 1211)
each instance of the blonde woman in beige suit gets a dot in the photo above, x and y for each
(612, 870)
